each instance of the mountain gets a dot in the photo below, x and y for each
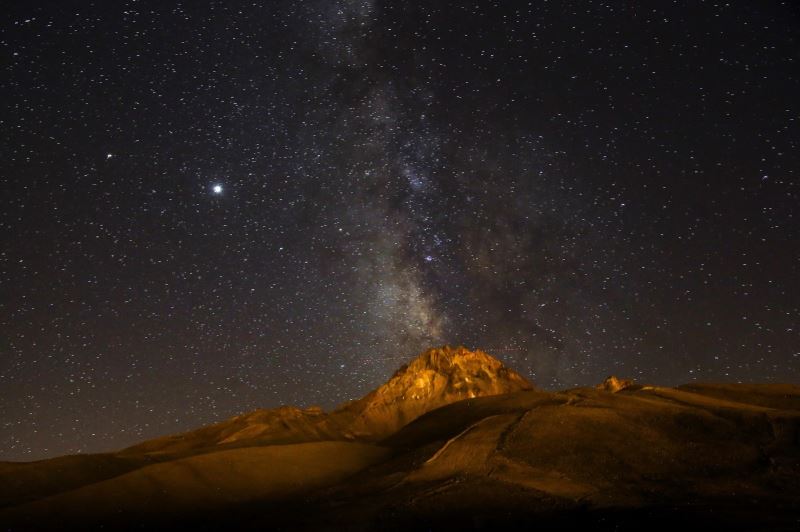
(435, 378)
(452, 440)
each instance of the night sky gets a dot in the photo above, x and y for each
(212, 207)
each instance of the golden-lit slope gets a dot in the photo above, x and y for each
(204, 483)
(590, 451)
(435, 378)
(22, 482)
(782, 396)
(276, 426)
(613, 449)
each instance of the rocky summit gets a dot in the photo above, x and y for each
(435, 378)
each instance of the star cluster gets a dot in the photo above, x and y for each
(211, 207)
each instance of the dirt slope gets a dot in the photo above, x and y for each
(198, 484)
(669, 455)
(22, 482)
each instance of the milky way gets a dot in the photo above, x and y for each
(218, 206)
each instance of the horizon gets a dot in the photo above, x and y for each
(331, 408)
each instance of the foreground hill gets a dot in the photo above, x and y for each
(210, 482)
(650, 456)
(454, 439)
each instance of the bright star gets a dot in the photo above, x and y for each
(217, 189)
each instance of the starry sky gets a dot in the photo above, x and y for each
(210, 207)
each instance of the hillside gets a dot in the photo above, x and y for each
(435, 378)
(453, 439)
(207, 483)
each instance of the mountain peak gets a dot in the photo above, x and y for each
(447, 359)
(470, 372)
(437, 377)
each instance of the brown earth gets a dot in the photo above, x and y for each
(453, 440)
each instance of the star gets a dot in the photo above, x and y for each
(388, 208)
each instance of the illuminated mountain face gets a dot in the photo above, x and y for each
(435, 378)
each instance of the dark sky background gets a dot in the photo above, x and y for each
(579, 188)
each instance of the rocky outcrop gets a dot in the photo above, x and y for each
(614, 384)
(436, 378)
